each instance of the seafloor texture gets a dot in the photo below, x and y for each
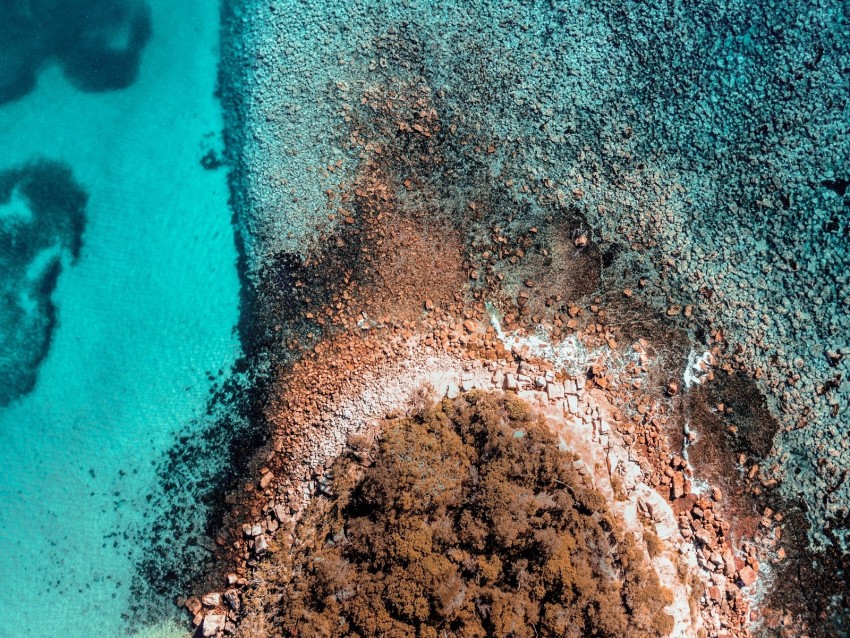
(118, 296)
(669, 169)
(705, 144)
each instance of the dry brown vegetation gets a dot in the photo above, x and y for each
(468, 522)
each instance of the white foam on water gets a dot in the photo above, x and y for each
(697, 367)
(569, 355)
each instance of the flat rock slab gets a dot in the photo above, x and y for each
(212, 625)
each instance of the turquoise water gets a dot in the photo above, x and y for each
(147, 308)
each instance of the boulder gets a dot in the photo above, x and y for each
(213, 599)
(678, 485)
(193, 605)
(252, 529)
(213, 624)
(280, 513)
(728, 562)
(266, 480)
(704, 536)
(231, 597)
(747, 575)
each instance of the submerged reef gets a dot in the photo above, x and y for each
(42, 218)
(97, 43)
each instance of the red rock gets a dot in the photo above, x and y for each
(266, 480)
(714, 593)
(193, 605)
(678, 485)
(747, 575)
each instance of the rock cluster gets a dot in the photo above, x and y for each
(327, 404)
(700, 143)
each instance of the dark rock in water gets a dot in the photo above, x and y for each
(211, 161)
(98, 44)
(747, 409)
(211, 463)
(838, 185)
(42, 217)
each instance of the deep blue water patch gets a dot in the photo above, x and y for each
(42, 218)
(98, 43)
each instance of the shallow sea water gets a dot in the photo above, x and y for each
(147, 309)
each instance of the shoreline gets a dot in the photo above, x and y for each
(291, 222)
(305, 445)
(634, 179)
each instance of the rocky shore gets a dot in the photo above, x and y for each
(613, 413)
(699, 145)
(398, 186)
